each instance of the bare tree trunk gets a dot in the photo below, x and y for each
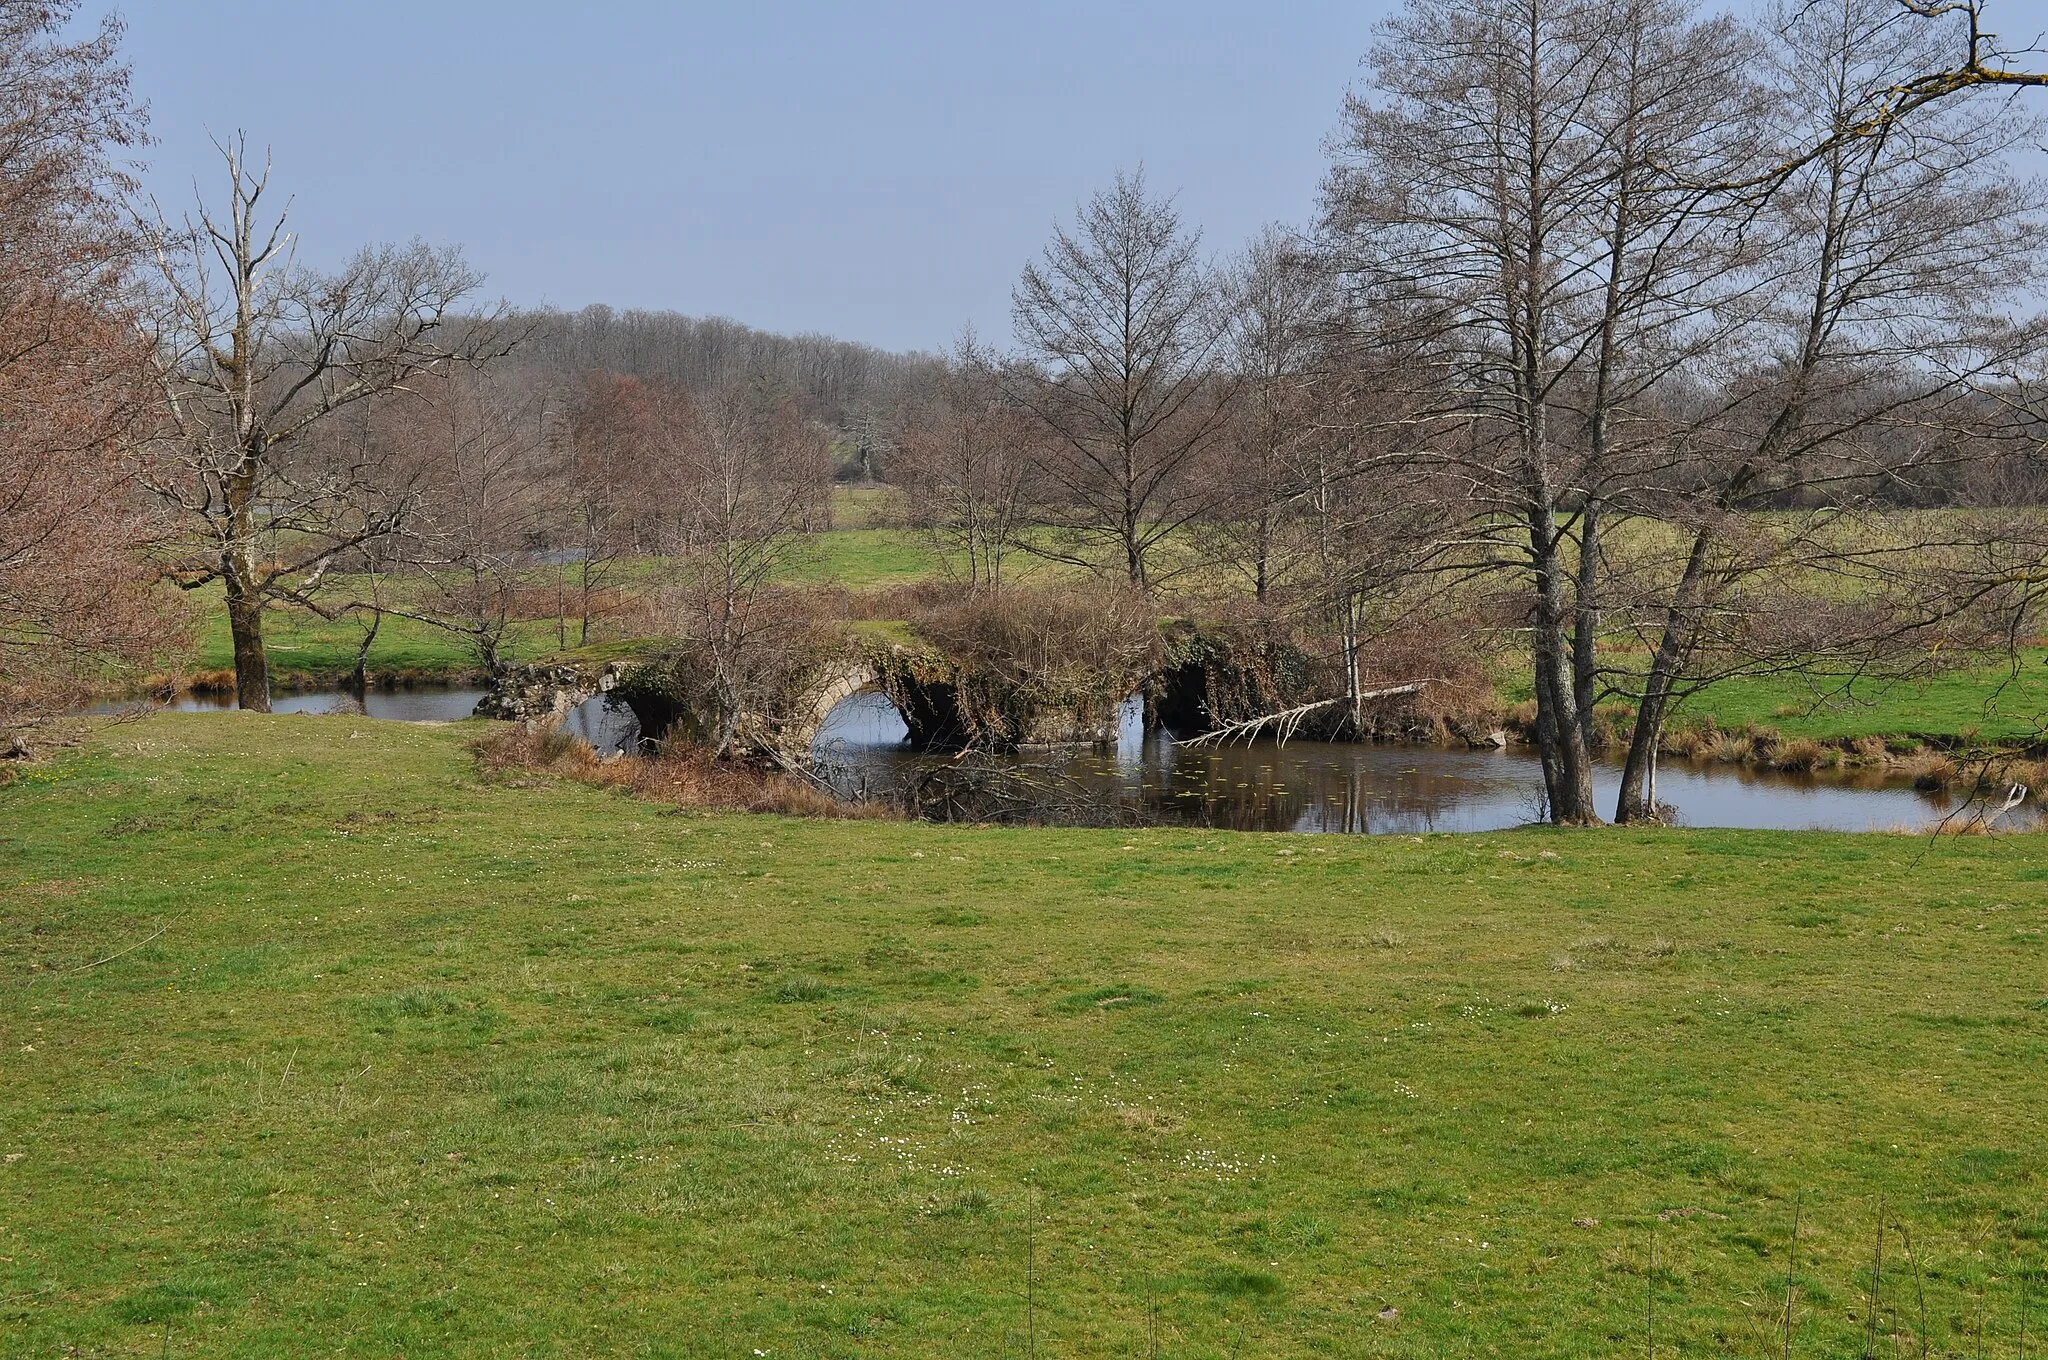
(245, 625)
(244, 588)
(1351, 681)
(1263, 560)
(1638, 798)
(359, 678)
(583, 630)
(1567, 765)
(1586, 621)
(1134, 546)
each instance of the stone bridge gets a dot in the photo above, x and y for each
(541, 696)
(1203, 684)
(928, 698)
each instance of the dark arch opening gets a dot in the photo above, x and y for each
(610, 726)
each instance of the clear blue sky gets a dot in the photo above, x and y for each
(875, 171)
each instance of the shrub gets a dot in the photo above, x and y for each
(1685, 742)
(1728, 748)
(684, 775)
(1025, 664)
(1931, 770)
(1801, 754)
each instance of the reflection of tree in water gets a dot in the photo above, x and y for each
(1308, 786)
(978, 788)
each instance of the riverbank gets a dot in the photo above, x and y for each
(320, 1036)
(1826, 722)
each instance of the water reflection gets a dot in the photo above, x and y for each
(1321, 787)
(397, 705)
(609, 730)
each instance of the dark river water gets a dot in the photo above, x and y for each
(1321, 787)
(401, 705)
(1303, 786)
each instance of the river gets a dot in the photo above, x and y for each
(1348, 788)
(1303, 786)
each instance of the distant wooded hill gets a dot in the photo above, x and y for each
(840, 382)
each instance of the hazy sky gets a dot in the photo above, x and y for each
(876, 171)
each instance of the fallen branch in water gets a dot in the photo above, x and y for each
(1287, 721)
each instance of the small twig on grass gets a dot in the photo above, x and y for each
(1792, 1270)
(1919, 1286)
(161, 928)
(1875, 1304)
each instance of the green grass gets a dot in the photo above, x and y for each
(307, 644)
(1994, 703)
(862, 559)
(865, 507)
(1998, 703)
(316, 1042)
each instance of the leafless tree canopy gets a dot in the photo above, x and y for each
(74, 597)
(744, 474)
(1118, 328)
(253, 352)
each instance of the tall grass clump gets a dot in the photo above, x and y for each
(681, 774)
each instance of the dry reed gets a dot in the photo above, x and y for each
(682, 776)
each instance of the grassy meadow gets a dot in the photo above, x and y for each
(2006, 702)
(317, 1041)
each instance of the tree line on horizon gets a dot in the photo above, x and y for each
(1657, 344)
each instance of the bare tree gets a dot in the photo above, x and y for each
(1524, 206)
(253, 351)
(963, 466)
(75, 598)
(609, 436)
(1890, 264)
(747, 476)
(1269, 463)
(1680, 110)
(1119, 328)
(1462, 206)
(869, 430)
(488, 481)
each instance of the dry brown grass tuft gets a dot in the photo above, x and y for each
(1931, 770)
(1684, 742)
(1729, 748)
(1144, 1118)
(1803, 754)
(211, 682)
(685, 777)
